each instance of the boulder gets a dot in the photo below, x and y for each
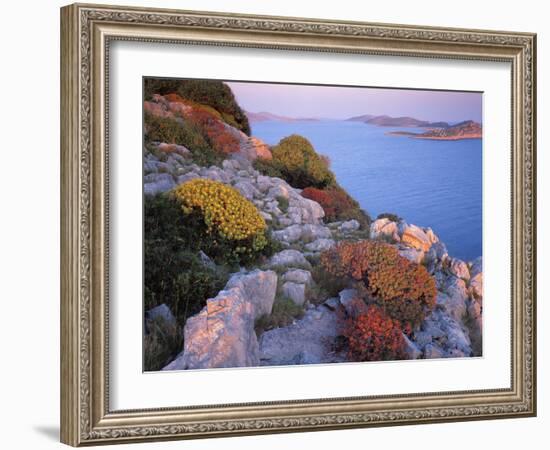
(298, 276)
(162, 182)
(309, 340)
(279, 190)
(432, 351)
(174, 148)
(247, 189)
(312, 232)
(295, 292)
(454, 300)
(352, 302)
(160, 312)
(215, 174)
(289, 258)
(304, 210)
(441, 335)
(259, 287)
(186, 177)
(476, 286)
(384, 228)
(475, 326)
(415, 237)
(459, 268)
(412, 254)
(320, 245)
(349, 226)
(411, 349)
(221, 335)
(253, 148)
(289, 234)
(440, 251)
(431, 235)
(476, 266)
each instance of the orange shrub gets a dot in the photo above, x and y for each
(405, 290)
(374, 336)
(173, 97)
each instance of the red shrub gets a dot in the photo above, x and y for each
(219, 137)
(374, 336)
(405, 290)
(323, 198)
(336, 203)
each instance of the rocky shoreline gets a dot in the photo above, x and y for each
(223, 333)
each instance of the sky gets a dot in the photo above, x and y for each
(337, 102)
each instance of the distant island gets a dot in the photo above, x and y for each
(264, 116)
(463, 130)
(404, 121)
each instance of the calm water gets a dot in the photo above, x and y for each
(428, 183)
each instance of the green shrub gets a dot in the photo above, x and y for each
(268, 167)
(405, 290)
(213, 93)
(173, 272)
(161, 344)
(283, 203)
(183, 133)
(392, 217)
(284, 312)
(299, 164)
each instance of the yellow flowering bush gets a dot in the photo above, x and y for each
(225, 212)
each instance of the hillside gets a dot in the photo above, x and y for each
(267, 116)
(263, 243)
(403, 121)
(463, 130)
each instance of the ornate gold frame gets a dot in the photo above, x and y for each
(86, 31)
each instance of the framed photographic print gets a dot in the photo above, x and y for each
(275, 224)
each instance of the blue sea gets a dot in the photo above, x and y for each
(430, 183)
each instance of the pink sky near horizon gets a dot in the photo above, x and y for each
(340, 102)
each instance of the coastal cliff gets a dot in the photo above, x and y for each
(275, 302)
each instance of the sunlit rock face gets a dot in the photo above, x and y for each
(258, 287)
(222, 334)
(416, 237)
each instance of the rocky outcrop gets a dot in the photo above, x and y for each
(310, 340)
(289, 258)
(415, 237)
(222, 334)
(295, 292)
(160, 313)
(258, 287)
(298, 276)
(384, 228)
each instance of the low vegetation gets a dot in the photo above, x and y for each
(294, 159)
(212, 93)
(374, 336)
(161, 343)
(390, 216)
(403, 289)
(337, 204)
(232, 225)
(175, 273)
(172, 131)
(284, 312)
